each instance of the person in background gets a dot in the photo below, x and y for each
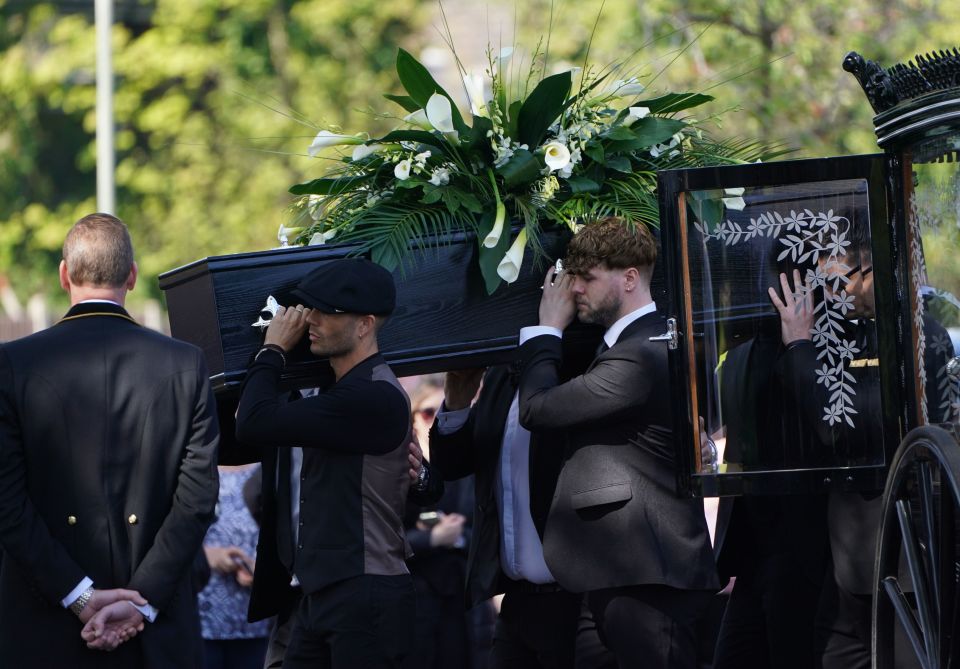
(108, 477)
(448, 636)
(230, 642)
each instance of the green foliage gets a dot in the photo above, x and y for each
(207, 139)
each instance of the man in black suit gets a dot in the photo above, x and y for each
(108, 475)
(348, 548)
(617, 530)
(515, 476)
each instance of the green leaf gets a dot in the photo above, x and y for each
(541, 108)
(619, 163)
(419, 136)
(404, 101)
(579, 185)
(489, 259)
(330, 185)
(595, 151)
(620, 132)
(647, 132)
(420, 84)
(522, 167)
(477, 137)
(673, 102)
(455, 198)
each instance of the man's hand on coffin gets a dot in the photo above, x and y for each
(460, 387)
(287, 327)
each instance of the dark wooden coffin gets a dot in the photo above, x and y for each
(444, 318)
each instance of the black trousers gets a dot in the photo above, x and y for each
(769, 621)
(366, 622)
(650, 625)
(535, 630)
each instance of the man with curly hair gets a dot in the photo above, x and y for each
(617, 531)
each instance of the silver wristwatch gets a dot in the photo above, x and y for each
(80, 603)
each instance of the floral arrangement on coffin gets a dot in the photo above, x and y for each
(541, 150)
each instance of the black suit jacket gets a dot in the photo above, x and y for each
(616, 519)
(108, 438)
(475, 449)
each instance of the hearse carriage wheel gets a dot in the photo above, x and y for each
(917, 569)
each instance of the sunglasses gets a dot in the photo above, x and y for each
(857, 268)
(427, 412)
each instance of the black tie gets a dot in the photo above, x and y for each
(284, 510)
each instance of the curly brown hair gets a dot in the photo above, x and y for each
(613, 242)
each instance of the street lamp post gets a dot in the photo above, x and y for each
(103, 14)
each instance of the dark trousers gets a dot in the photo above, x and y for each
(535, 630)
(650, 625)
(234, 653)
(441, 640)
(366, 622)
(769, 621)
(280, 636)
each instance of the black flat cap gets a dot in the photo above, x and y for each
(348, 285)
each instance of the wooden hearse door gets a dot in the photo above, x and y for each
(757, 414)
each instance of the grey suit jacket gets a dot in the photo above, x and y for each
(616, 519)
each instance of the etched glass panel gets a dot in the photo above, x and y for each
(934, 237)
(784, 331)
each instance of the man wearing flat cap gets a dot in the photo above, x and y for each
(349, 549)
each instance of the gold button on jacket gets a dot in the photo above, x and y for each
(132, 519)
(71, 520)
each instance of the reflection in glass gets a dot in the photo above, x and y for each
(812, 400)
(934, 234)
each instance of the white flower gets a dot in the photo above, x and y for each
(473, 84)
(440, 113)
(364, 150)
(322, 237)
(505, 54)
(624, 87)
(402, 169)
(556, 155)
(285, 234)
(421, 158)
(325, 139)
(635, 114)
(315, 206)
(509, 267)
(419, 119)
(440, 177)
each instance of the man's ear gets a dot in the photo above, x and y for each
(64, 276)
(131, 278)
(631, 278)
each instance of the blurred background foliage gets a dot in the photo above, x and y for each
(217, 100)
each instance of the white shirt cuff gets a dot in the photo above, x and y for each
(76, 592)
(531, 331)
(149, 612)
(449, 422)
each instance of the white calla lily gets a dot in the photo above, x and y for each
(493, 237)
(325, 139)
(509, 267)
(419, 119)
(402, 169)
(365, 150)
(556, 156)
(505, 54)
(635, 114)
(322, 237)
(440, 113)
(626, 87)
(285, 234)
(473, 84)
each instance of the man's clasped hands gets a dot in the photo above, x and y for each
(110, 618)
